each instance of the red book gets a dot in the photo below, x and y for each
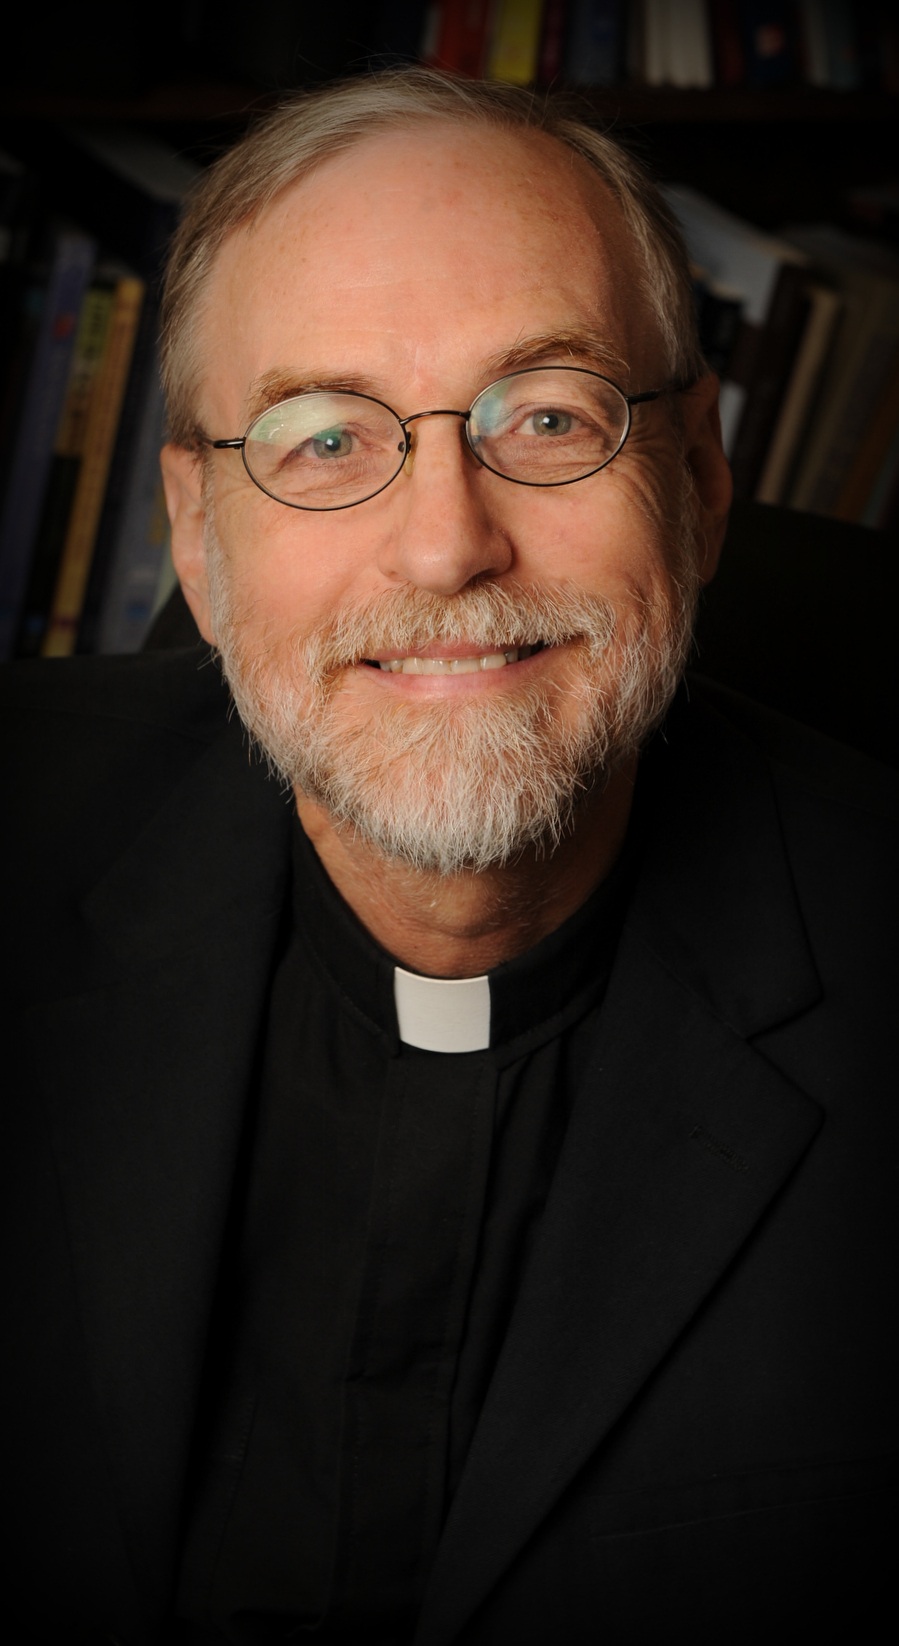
(462, 38)
(727, 43)
(551, 61)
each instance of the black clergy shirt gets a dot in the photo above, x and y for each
(390, 1202)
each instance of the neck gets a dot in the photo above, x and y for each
(463, 925)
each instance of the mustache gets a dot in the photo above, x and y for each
(491, 616)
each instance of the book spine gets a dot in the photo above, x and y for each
(143, 388)
(65, 464)
(553, 35)
(769, 42)
(777, 349)
(844, 70)
(690, 45)
(799, 397)
(71, 584)
(126, 587)
(812, 43)
(851, 431)
(657, 42)
(515, 46)
(880, 433)
(882, 507)
(728, 54)
(595, 43)
(459, 36)
(37, 422)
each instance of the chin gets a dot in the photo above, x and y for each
(470, 784)
(466, 781)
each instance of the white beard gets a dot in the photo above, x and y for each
(466, 783)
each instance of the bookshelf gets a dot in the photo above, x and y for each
(786, 152)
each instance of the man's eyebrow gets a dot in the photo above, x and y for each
(274, 386)
(581, 347)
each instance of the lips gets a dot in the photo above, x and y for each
(417, 664)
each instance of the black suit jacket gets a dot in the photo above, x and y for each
(691, 1432)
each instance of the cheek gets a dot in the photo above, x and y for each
(653, 480)
(611, 535)
(285, 567)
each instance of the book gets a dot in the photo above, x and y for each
(770, 42)
(656, 42)
(690, 60)
(812, 43)
(87, 502)
(779, 341)
(800, 394)
(120, 604)
(676, 42)
(634, 43)
(21, 215)
(515, 42)
(142, 407)
(867, 278)
(553, 41)
(596, 42)
(56, 289)
(833, 58)
(746, 261)
(68, 454)
(728, 54)
(19, 212)
(134, 185)
(459, 35)
(864, 475)
(882, 507)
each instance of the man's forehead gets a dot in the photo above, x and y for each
(443, 170)
(489, 239)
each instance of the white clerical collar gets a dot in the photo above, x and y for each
(442, 1014)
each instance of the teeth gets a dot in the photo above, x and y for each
(456, 665)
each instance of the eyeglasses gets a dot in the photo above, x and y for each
(544, 426)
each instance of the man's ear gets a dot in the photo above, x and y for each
(182, 478)
(709, 467)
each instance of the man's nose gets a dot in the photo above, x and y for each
(446, 527)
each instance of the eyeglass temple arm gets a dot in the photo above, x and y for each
(679, 386)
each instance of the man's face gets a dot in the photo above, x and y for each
(418, 268)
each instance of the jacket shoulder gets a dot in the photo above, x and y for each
(800, 759)
(181, 692)
(91, 748)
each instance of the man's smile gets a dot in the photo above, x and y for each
(446, 663)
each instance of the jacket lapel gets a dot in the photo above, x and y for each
(146, 1154)
(683, 1135)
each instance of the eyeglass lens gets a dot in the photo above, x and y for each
(541, 427)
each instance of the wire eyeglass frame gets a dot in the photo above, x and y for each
(404, 448)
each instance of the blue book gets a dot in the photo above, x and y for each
(56, 297)
(769, 42)
(595, 50)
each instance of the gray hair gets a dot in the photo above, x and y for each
(311, 127)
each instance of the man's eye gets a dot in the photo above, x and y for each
(552, 422)
(332, 443)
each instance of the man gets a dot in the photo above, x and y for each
(450, 1151)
